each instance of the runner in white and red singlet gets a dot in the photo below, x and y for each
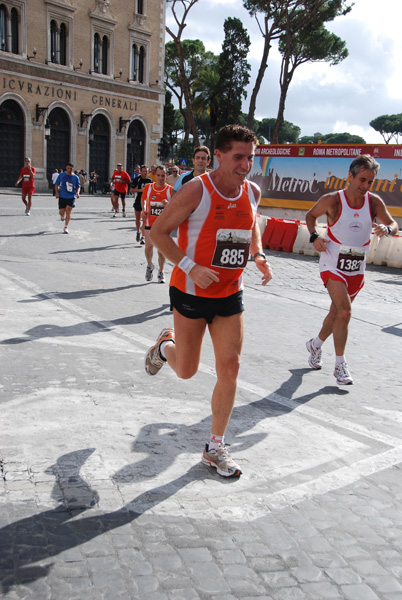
(350, 214)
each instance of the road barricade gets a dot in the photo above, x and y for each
(280, 234)
(388, 251)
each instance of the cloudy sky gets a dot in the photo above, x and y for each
(321, 98)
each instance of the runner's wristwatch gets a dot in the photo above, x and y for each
(313, 236)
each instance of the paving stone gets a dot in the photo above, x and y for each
(359, 592)
(112, 501)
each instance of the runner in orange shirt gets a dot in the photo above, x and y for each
(154, 198)
(216, 217)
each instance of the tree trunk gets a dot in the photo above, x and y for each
(260, 77)
(183, 79)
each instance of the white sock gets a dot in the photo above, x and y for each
(215, 441)
(317, 343)
(339, 360)
(162, 348)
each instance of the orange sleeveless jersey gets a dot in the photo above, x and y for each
(217, 235)
(153, 201)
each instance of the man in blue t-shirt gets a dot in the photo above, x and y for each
(201, 160)
(67, 190)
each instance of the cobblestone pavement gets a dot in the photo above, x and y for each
(103, 495)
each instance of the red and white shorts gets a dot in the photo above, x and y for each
(354, 283)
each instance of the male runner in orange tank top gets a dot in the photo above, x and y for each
(206, 286)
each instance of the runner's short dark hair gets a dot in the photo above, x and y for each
(233, 133)
(202, 149)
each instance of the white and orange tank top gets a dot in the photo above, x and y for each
(155, 200)
(349, 238)
(217, 235)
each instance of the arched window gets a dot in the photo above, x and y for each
(14, 31)
(63, 44)
(3, 28)
(97, 52)
(141, 63)
(105, 48)
(53, 42)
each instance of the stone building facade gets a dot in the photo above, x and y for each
(80, 81)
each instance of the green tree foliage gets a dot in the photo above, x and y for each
(208, 98)
(186, 150)
(233, 70)
(390, 127)
(332, 138)
(193, 58)
(305, 39)
(288, 133)
(220, 86)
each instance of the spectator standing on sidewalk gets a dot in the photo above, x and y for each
(174, 177)
(55, 175)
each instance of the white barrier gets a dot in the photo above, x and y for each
(302, 241)
(382, 250)
(388, 251)
(373, 247)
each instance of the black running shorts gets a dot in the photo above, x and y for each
(197, 307)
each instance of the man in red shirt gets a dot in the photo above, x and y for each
(120, 179)
(27, 175)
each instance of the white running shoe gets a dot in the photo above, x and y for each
(221, 461)
(124, 213)
(137, 236)
(342, 374)
(314, 360)
(27, 213)
(66, 229)
(153, 359)
(161, 277)
(115, 214)
(61, 218)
